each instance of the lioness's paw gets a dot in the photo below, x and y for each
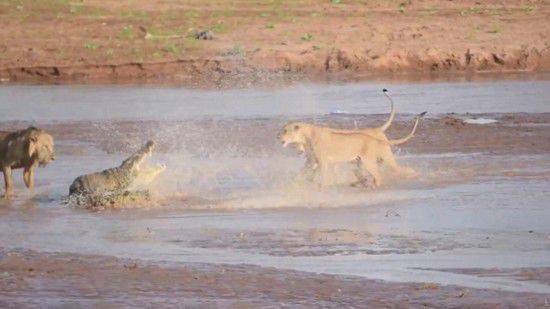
(409, 172)
(8, 195)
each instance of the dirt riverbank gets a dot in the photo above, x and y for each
(96, 41)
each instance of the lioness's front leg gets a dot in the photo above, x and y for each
(310, 168)
(7, 181)
(326, 177)
(371, 167)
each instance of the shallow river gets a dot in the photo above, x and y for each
(229, 194)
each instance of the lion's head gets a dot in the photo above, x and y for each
(40, 146)
(294, 133)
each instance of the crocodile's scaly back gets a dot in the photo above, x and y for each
(113, 179)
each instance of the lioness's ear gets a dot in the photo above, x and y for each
(31, 148)
(296, 127)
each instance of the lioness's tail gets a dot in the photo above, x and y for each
(408, 137)
(388, 122)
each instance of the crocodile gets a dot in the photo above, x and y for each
(118, 185)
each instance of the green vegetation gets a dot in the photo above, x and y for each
(191, 44)
(75, 8)
(236, 50)
(172, 48)
(127, 32)
(432, 10)
(192, 14)
(403, 5)
(158, 34)
(91, 46)
(471, 11)
(223, 13)
(60, 54)
(134, 15)
(47, 8)
(495, 29)
(137, 53)
(109, 53)
(528, 8)
(307, 37)
(219, 27)
(169, 28)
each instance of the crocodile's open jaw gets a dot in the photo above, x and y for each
(145, 176)
(134, 161)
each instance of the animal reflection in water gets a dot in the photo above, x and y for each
(119, 185)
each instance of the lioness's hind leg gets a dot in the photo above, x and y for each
(357, 171)
(370, 165)
(389, 159)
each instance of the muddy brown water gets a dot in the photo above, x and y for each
(228, 195)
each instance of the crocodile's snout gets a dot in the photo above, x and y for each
(149, 147)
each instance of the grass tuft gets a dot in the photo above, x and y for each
(91, 46)
(307, 37)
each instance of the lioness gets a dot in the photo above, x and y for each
(25, 149)
(327, 147)
(378, 132)
(311, 167)
(127, 176)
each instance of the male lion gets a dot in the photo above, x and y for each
(118, 180)
(327, 147)
(24, 149)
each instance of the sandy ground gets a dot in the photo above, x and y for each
(29, 278)
(144, 41)
(524, 274)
